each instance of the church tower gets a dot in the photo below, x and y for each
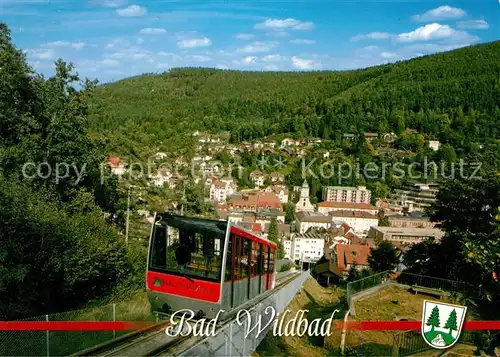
(304, 204)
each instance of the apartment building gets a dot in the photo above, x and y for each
(307, 220)
(307, 247)
(359, 221)
(327, 207)
(404, 236)
(414, 196)
(346, 194)
(410, 222)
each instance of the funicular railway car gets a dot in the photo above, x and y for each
(206, 266)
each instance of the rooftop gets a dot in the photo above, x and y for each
(350, 188)
(313, 217)
(347, 205)
(311, 235)
(353, 214)
(408, 230)
(352, 254)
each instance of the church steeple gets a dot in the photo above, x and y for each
(304, 204)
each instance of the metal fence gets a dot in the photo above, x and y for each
(231, 340)
(63, 343)
(404, 343)
(452, 286)
(363, 284)
(407, 343)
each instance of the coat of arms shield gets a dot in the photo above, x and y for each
(442, 323)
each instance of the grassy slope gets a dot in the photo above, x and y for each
(320, 302)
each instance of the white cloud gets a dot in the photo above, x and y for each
(152, 31)
(249, 59)
(41, 54)
(387, 55)
(302, 42)
(132, 10)
(440, 13)
(244, 36)
(173, 56)
(75, 45)
(110, 62)
(284, 24)
(117, 43)
(371, 36)
(435, 31)
(258, 46)
(198, 58)
(195, 42)
(473, 24)
(134, 54)
(113, 3)
(277, 34)
(428, 48)
(273, 58)
(305, 64)
(140, 40)
(221, 66)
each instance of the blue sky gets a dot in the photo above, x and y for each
(113, 39)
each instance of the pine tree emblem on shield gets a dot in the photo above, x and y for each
(442, 323)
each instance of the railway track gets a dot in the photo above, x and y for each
(153, 341)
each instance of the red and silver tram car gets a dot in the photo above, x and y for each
(206, 266)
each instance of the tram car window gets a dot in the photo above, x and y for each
(206, 266)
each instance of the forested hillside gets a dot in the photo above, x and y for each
(452, 96)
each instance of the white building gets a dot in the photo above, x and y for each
(288, 142)
(327, 207)
(279, 190)
(161, 178)
(277, 177)
(287, 246)
(307, 247)
(221, 189)
(257, 178)
(262, 217)
(160, 155)
(304, 204)
(117, 168)
(307, 220)
(346, 194)
(434, 145)
(359, 221)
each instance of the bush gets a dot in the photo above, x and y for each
(285, 267)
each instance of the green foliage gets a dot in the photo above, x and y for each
(289, 212)
(384, 222)
(52, 259)
(452, 323)
(452, 97)
(285, 267)
(433, 319)
(355, 274)
(384, 257)
(273, 235)
(272, 232)
(57, 251)
(467, 210)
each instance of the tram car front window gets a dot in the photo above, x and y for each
(188, 247)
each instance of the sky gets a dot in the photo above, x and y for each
(113, 39)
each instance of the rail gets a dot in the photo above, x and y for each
(153, 341)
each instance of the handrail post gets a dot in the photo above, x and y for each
(114, 319)
(47, 337)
